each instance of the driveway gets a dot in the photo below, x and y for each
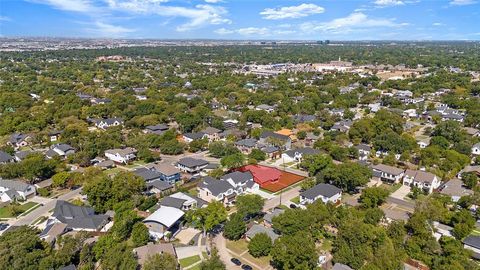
(185, 252)
(401, 192)
(264, 194)
(285, 198)
(186, 235)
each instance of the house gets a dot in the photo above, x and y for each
(310, 139)
(21, 155)
(455, 189)
(325, 192)
(423, 180)
(62, 150)
(442, 230)
(52, 231)
(472, 243)
(388, 173)
(364, 151)
(11, 190)
(476, 149)
(142, 253)
(5, 157)
(164, 222)
(342, 126)
(267, 219)
(183, 201)
(147, 174)
(78, 218)
(105, 164)
(168, 173)
(124, 155)
(242, 182)
(213, 134)
(246, 145)
(156, 129)
(296, 155)
(54, 135)
(303, 118)
(190, 137)
(272, 152)
(159, 187)
(210, 189)
(256, 229)
(341, 266)
(191, 165)
(424, 142)
(275, 139)
(18, 140)
(265, 107)
(108, 122)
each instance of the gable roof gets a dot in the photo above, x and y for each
(165, 215)
(146, 174)
(473, 241)
(160, 185)
(172, 202)
(238, 177)
(151, 249)
(303, 151)
(78, 217)
(246, 142)
(211, 130)
(5, 157)
(194, 136)
(325, 190)
(215, 186)
(122, 152)
(388, 169)
(192, 162)
(163, 168)
(271, 134)
(14, 185)
(256, 229)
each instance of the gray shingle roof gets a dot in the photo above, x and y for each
(256, 229)
(238, 177)
(172, 202)
(473, 241)
(388, 169)
(303, 151)
(195, 135)
(246, 142)
(5, 157)
(271, 134)
(78, 217)
(326, 190)
(159, 184)
(14, 185)
(192, 162)
(215, 186)
(146, 174)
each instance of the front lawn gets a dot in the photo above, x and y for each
(185, 262)
(5, 212)
(237, 246)
(296, 200)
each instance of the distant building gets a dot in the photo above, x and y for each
(124, 155)
(325, 192)
(191, 165)
(11, 190)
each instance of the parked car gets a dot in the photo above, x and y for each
(246, 267)
(3, 226)
(293, 206)
(236, 261)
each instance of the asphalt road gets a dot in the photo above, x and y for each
(43, 210)
(404, 204)
(285, 197)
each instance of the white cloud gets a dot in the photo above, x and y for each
(462, 2)
(356, 20)
(213, 1)
(389, 3)
(247, 31)
(4, 19)
(438, 24)
(102, 29)
(69, 5)
(291, 12)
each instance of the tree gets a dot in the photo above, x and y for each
(140, 235)
(222, 149)
(373, 197)
(347, 176)
(257, 154)
(470, 180)
(60, 179)
(235, 227)
(232, 161)
(315, 163)
(21, 249)
(249, 204)
(294, 252)
(213, 263)
(162, 261)
(208, 217)
(260, 245)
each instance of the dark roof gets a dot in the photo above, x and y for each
(363, 147)
(302, 118)
(271, 134)
(238, 177)
(159, 127)
(79, 217)
(5, 157)
(341, 266)
(214, 186)
(14, 185)
(192, 162)
(147, 175)
(159, 184)
(326, 190)
(17, 137)
(246, 142)
(194, 136)
(172, 202)
(270, 149)
(473, 241)
(68, 267)
(63, 147)
(22, 154)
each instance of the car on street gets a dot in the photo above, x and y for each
(236, 261)
(293, 206)
(246, 267)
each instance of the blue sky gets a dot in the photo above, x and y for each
(244, 19)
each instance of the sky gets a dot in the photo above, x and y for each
(243, 19)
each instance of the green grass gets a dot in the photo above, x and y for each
(237, 246)
(327, 245)
(39, 220)
(296, 200)
(196, 267)
(185, 262)
(391, 188)
(23, 208)
(475, 233)
(205, 255)
(193, 191)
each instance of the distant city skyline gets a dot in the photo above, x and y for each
(243, 19)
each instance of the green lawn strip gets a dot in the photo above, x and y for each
(196, 267)
(39, 220)
(28, 210)
(185, 262)
(475, 233)
(205, 255)
(296, 200)
(4, 212)
(24, 209)
(261, 261)
(237, 246)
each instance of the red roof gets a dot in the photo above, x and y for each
(262, 174)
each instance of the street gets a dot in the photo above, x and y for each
(285, 197)
(44, 209)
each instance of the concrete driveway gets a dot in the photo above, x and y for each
(401, 192)
(185, 235)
